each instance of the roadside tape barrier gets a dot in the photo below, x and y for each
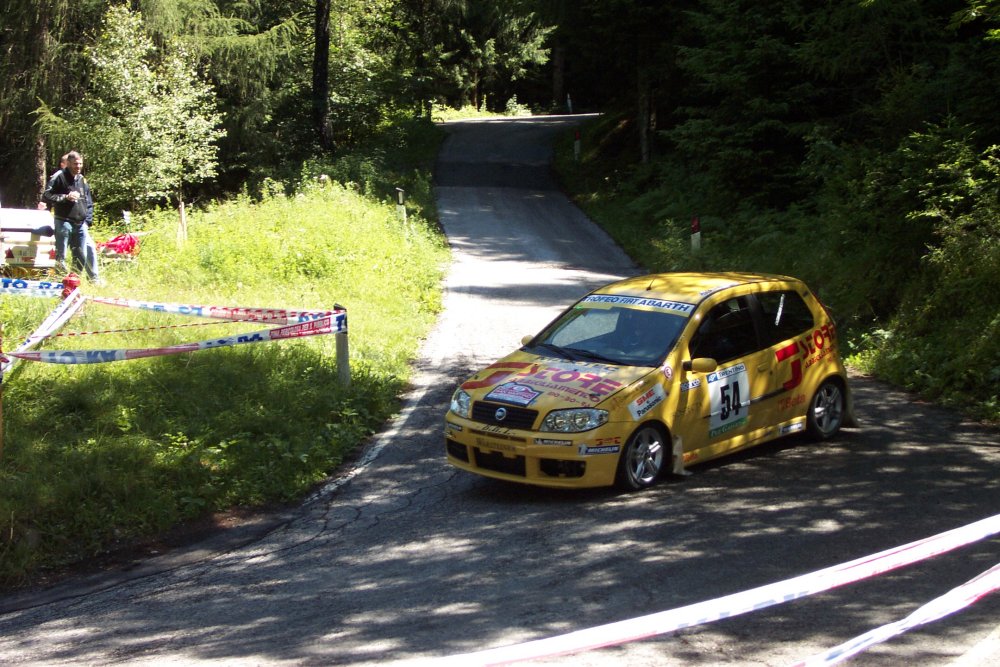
(59, 316)
(644, 627)
(270, 315)
(45, 288)
(953, 601)
(73, 334)
(310, 328)
(297, 324)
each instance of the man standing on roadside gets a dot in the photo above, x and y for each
(72, 205)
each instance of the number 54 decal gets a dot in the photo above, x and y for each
(729, 392)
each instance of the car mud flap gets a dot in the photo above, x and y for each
(677, 456)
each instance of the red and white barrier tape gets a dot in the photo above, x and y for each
(953, 601)
(312, 328)
(728, 606)
(299, 323)
(272, 315)
(73, 334)
(65, 310)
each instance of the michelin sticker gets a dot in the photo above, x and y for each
(586, 450)
(550, 442)
(729, 389)
(647, 401)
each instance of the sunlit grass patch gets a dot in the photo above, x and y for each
(97, 455)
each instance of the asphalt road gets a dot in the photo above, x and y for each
(405, 559)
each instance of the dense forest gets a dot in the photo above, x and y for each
(852, 141)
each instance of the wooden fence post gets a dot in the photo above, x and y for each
(343, 360)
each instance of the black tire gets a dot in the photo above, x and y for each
(826, 411)
(642, 460)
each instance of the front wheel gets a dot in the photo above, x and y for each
(641, 462)
(826, 411)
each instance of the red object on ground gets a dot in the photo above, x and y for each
(70, 283)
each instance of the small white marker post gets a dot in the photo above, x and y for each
(401, 203)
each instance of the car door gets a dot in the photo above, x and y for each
(789, 330)
(718, 410)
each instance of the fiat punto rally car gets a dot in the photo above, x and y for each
(651, 374)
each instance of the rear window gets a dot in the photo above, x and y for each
(786, 315)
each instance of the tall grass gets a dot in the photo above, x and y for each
(100, 455)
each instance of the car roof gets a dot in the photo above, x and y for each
(689, 287)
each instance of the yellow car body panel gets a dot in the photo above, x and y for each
(702, 410)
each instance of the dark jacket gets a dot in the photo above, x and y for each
(61, 184)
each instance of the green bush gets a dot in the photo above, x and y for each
(945, 340)
(903, 246)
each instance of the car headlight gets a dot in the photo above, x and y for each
(574, 420)
(461, 403)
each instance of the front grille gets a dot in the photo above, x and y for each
(521, 418)
(497, 462)
(559, 468)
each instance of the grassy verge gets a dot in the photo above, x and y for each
(101, 455)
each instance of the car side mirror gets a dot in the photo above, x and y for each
(700, 365)
(526, 339)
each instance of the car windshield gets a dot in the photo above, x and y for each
(624, 336)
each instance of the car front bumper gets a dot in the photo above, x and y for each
(559, 460)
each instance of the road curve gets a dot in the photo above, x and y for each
(404, 558)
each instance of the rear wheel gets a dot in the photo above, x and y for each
(826, 411)
(641, 462)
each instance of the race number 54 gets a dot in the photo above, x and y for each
(729, 389)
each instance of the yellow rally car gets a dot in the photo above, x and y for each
(651, 374)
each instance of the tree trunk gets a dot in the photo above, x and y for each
(642, 117)
(321, 75)
(41, 172)
(558, 56)
(27, 74)
(558, 75)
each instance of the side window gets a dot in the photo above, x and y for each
(726, 332)
(786, 315)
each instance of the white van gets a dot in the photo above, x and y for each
(27, 241)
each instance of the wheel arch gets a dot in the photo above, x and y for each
(850, 419)
(676, 465)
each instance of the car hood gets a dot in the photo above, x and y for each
(539, 382)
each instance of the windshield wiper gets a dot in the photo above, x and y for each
(558, 351)
(590, 356)
(575, 353)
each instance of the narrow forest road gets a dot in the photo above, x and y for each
(404, 558)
